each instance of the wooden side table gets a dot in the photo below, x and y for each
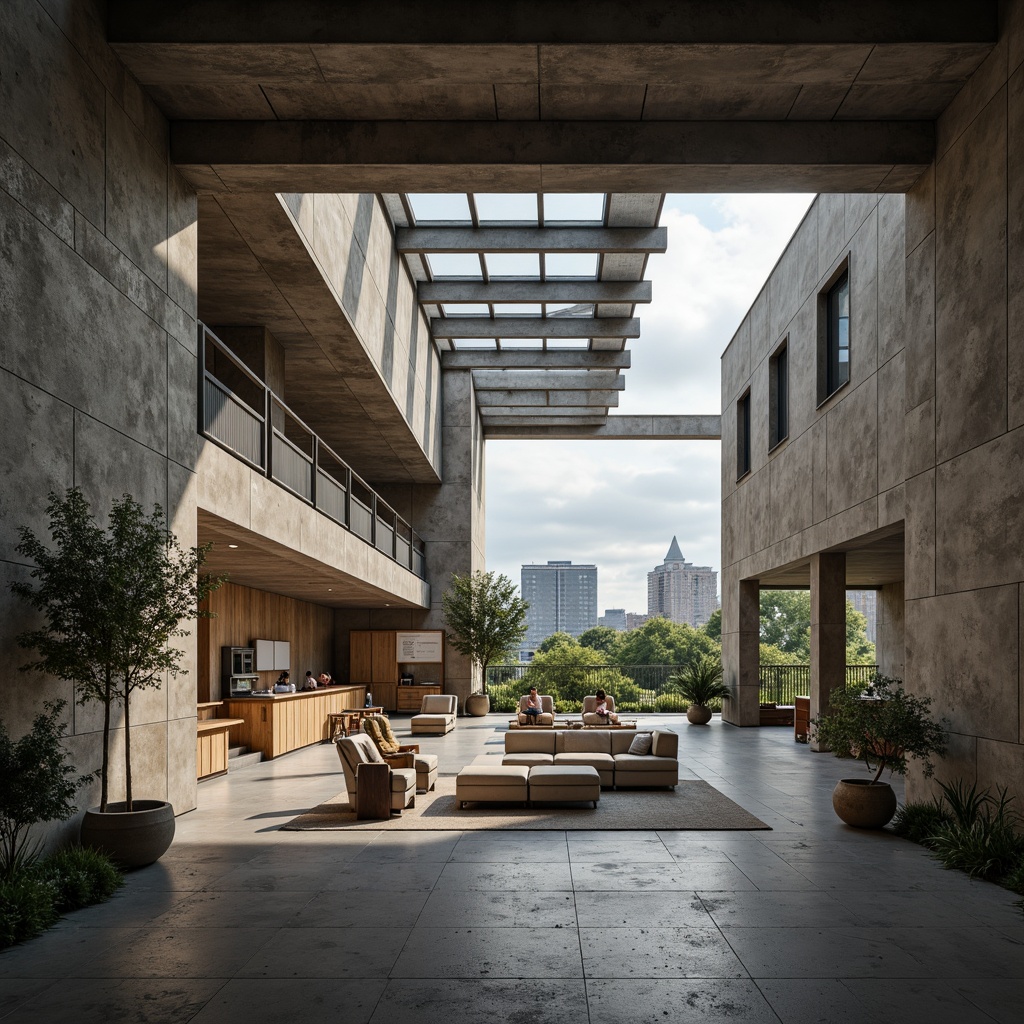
(802, 719)
(373, 791)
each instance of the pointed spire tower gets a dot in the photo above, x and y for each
(674, 554)
(681, 591)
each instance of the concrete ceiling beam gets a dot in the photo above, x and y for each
(508, 239)
(534, 291)
(535, 327)
(489, 400)
(548, 380)
(534, 359)
(613, 428)
(536, 426)
(593, 22)
(526, 414)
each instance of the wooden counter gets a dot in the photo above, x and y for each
(282, 722)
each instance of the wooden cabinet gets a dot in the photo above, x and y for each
(802, 719)
(410, 698)
(373, 661)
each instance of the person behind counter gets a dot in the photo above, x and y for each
(310, 681)
(325, 679)
(284, 683)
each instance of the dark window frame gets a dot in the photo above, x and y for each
(778, 395)
(743, 460)
(834, 334)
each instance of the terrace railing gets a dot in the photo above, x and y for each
(639, 688)
(238, 412)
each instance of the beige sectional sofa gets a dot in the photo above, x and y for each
(607, 751)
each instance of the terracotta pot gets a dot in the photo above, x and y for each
(478, 704)
(697, 714)
(131, 838)
(863, 803)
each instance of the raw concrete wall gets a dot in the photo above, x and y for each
(965, 423)
(350, 238)
(97, 341)
(839, 473)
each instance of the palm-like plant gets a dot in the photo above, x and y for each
(700, 682)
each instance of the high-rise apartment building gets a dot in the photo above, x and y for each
(614, 618)
(562, 598)
(682, 591)
(866, 602)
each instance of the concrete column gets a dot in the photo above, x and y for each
(828, 629)
(890, 644)
(741, 613)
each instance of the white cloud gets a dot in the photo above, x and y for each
(617, 503)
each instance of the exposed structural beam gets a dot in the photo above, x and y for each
(595, 22)
(530, 239)
(535, 359)
(528, 413)
(487, 400)
(539, 423)
(571, 290)
(544, 380)
(617, 156)
(613, 428)
(535, 327)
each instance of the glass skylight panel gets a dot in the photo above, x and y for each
(567, 309)
(580, 343)
(465, 309)
(570, 264)
(427, 207)
(455, 264)
(517, 309)
(492, 207)
(584, 206)
(474, 343)
(513, 264)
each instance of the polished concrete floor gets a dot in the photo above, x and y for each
(812, 921)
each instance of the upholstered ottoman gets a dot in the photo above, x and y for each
(564, 783)
(426, 771)
(492, 783)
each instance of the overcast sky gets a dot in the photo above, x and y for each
(619, 503)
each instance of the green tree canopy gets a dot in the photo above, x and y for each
(661, 642)
(602, 638)
(713, 627)
(549, 643)
(563, 666)
(786, 626)
(486, 617)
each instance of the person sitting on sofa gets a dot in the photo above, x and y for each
(533, 707)
(602, 708)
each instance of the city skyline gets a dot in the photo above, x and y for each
(617, 503)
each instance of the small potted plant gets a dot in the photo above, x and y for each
(885, 731)
(699, 683)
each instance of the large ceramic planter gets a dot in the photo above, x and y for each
(478, 704)
(131, 838)
(863, 803)
(697, 714)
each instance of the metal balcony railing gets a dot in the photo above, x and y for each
(238, 412)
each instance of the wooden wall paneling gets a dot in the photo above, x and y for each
(360, 656)
(385, 656)
(385, 695)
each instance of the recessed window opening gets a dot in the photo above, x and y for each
(743, 435)
(837, 303)
(778, 396)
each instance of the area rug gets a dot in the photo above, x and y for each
(691, 806)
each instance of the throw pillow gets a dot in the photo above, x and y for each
(641, 743)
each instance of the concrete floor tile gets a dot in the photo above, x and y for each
(654, 1001)
(348, 951)
(658, 953)
(776, 909)
(711, 876)
(450, 909)
(979, 952)
(654, 909)
(235, 909)
(261, 1001)
(651, 851)
(607, 876)
(503, 877)
(526, 854)
(1000, 999)
(527, 953)
(399, 908)
(15, 991)
(63, 951)
(104, 1001)
(534, 1001)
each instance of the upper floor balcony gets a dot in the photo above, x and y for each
(240, 414)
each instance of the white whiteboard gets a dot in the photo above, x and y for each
(420, 648)
(264, 655)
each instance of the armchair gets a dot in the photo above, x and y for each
(398, 755)
(437, 714)
(547, 712)
(354, 751)
(591, 717)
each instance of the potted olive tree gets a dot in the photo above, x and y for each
(886, 731)
(112, 603)
(486, 619)
(699, 683)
